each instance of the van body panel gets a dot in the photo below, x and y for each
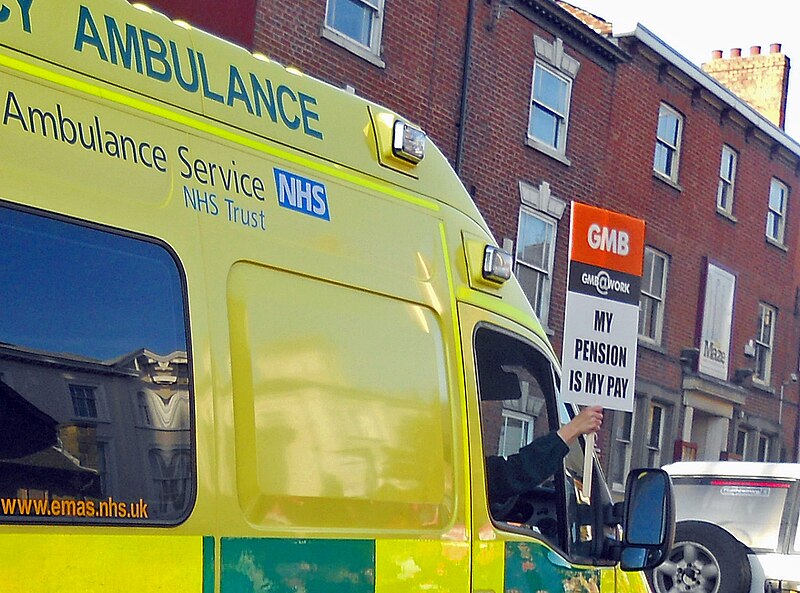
(94, 563)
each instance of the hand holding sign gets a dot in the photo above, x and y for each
(587, 422)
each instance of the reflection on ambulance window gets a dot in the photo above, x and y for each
(517, 386)
(517, 398)
(95, 387)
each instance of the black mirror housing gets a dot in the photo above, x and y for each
(648, 519)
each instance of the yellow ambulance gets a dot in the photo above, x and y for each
(255, 336)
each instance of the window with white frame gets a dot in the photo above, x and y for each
(356, 25)
(171, 472)
(549, 114)
(534, 261)
(764, 342)
(651, 299)
(727, 177)
(144, 409)
(623, 451)
(515, 432)
(740, 446)
(776, 215)
(84, 401)
(655, 435)
(763, 448)
(668, 142)
(102, 466)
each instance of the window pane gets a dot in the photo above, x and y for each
(741, 443)
(753, 513)
(657, 285)
(647, 313)
(534, 261)
(534, 243)
(764, 341)
(655, 427)
(774, 226)
(545, 126)
(663, 159)
(352, 18)
(108, 311)
(724, 192)
(668, 128)
(550, 90)
(533, 284)
(647, 271)
(651, 306)
(763, 448)
(513, 436)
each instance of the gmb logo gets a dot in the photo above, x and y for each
(24, 8)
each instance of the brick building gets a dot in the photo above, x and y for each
(536, 105)
(713, 178)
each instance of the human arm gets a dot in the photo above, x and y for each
(540, 459)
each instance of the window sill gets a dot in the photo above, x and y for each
(777, 244)
(650, 345)
(765, 387)
(362, 52)
(83, 420)
(548, 150)
(727, 215)
(663, 178)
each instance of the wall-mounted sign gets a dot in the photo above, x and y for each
(715, 335)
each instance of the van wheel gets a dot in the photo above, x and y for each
(704, 559)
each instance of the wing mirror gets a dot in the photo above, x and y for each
(648, 519)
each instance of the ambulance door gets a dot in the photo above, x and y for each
(545, 538)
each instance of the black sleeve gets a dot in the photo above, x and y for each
(525, 470)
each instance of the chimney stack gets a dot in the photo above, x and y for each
(760, 79)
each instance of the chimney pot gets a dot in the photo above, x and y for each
(736, 52)
(775, 48)
(755, 50)
(716, 54)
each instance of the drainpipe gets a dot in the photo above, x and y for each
(462, 118)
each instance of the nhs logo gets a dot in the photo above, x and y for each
(301, 194)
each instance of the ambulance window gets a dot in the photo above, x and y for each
(96, 425)
(532, 484)
(517, 396)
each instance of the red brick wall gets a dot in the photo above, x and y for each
(423, 48)
(234, 21)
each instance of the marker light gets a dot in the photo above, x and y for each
(496, 264)
(776, 586)
(408, 142)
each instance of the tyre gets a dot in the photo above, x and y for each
(704, 559)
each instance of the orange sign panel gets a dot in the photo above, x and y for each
(607, 239)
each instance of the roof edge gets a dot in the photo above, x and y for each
(710, 84)
(551, 11)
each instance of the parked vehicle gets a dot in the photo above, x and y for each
(737, 529)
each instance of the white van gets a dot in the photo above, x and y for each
(737, 530)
